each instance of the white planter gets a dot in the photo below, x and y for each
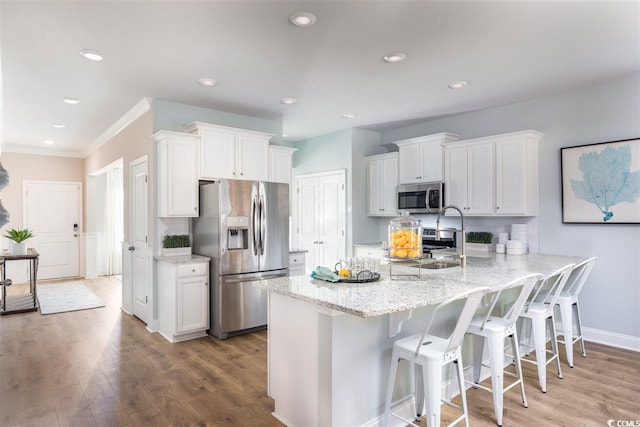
(176, 251)
(481, 247)
(18, 248)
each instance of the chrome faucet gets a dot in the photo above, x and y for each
(463, 252)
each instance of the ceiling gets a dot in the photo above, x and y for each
(508, 51)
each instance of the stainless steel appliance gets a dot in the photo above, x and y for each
(430, 242)
(244, 228)
(421, 198)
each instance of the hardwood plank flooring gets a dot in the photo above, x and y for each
(101, 367)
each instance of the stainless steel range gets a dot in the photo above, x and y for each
(430, 243)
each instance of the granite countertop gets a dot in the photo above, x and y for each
(405, 292)
(182, 259)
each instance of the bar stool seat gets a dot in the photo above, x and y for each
(431, 353)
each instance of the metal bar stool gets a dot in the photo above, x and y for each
(539, 312)
(431, 353)
(569, 309)
(501, 309)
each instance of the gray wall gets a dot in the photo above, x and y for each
(606, 112)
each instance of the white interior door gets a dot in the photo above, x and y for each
(52, 212)
(139, 239)
(321, 218)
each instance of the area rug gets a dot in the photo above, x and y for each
(66, 296)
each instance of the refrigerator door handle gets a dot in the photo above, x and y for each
(253, 279)
(263, 224)
(254, 225)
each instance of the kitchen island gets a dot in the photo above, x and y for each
(330, 343)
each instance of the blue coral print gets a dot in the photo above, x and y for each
(607, 179)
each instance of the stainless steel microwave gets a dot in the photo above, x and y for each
(421, 198)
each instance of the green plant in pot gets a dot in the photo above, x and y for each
(176, 245)
(480, 241)
(18, 246)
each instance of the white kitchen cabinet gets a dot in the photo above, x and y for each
(382, 179)
(495, 175)
(183, 297)
(421, 158)
(231, 153)
(280, 162)
(469, 178)
(517, 173)
(177, 174)
(297, 263)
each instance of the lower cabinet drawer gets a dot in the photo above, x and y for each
(195, 269)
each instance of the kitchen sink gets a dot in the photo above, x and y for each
(440, 264)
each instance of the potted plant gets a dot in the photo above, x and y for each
(18, 246)
(480, 241)
(176, 245)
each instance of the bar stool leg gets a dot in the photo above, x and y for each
(566, 314)
(496, 356)
(478, 350)
(539, 339)
(463, 393)
(554, 343)
(392, 378)
(432, 377)
(516, 352)
(576, 309)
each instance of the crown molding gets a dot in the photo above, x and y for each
(129, 117)
(25, 149)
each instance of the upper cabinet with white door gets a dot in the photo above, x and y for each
(177, 174)
(495, 175)
(382, 178)
(517, 173)
(232, 153)
(280, 163)
(421, 158)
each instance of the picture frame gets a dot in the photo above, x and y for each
(601, 183)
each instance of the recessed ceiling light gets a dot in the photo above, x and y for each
(284, 135)
(205, 81)
(48, 142)
(71, 101)
(349, 115)
(288, 101)
(302, 19)
(59, 125)
(395, 57)
(457, 84)
(91, 54)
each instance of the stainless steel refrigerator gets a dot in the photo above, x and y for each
(244, 228)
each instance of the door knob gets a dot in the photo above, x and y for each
(132, 248)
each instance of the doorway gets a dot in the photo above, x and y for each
(105, 221)
(321, 217)
(52, 212)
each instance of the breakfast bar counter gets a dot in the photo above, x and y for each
(329, 344)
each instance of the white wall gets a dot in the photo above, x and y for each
(606, 112)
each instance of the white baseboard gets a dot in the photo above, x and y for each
(613, 339)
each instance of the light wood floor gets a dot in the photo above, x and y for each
(101, 367)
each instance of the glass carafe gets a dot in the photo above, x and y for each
(405, 237)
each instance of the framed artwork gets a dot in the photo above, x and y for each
(601, 183)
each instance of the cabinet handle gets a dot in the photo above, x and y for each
(194, 270)
(195, 208)
(320, 242)
(206, 283)
(497, 207)
(295, 260)
(315, 242)
(242, 173)
(233, 173)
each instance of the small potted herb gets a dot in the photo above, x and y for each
(480, 241)
(18, 246)
(176, 245)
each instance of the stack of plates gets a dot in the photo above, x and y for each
(516, 247)
(520, 232)
(502, 238)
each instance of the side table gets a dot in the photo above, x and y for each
(23, 302)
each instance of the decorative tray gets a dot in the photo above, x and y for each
(362, 277)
